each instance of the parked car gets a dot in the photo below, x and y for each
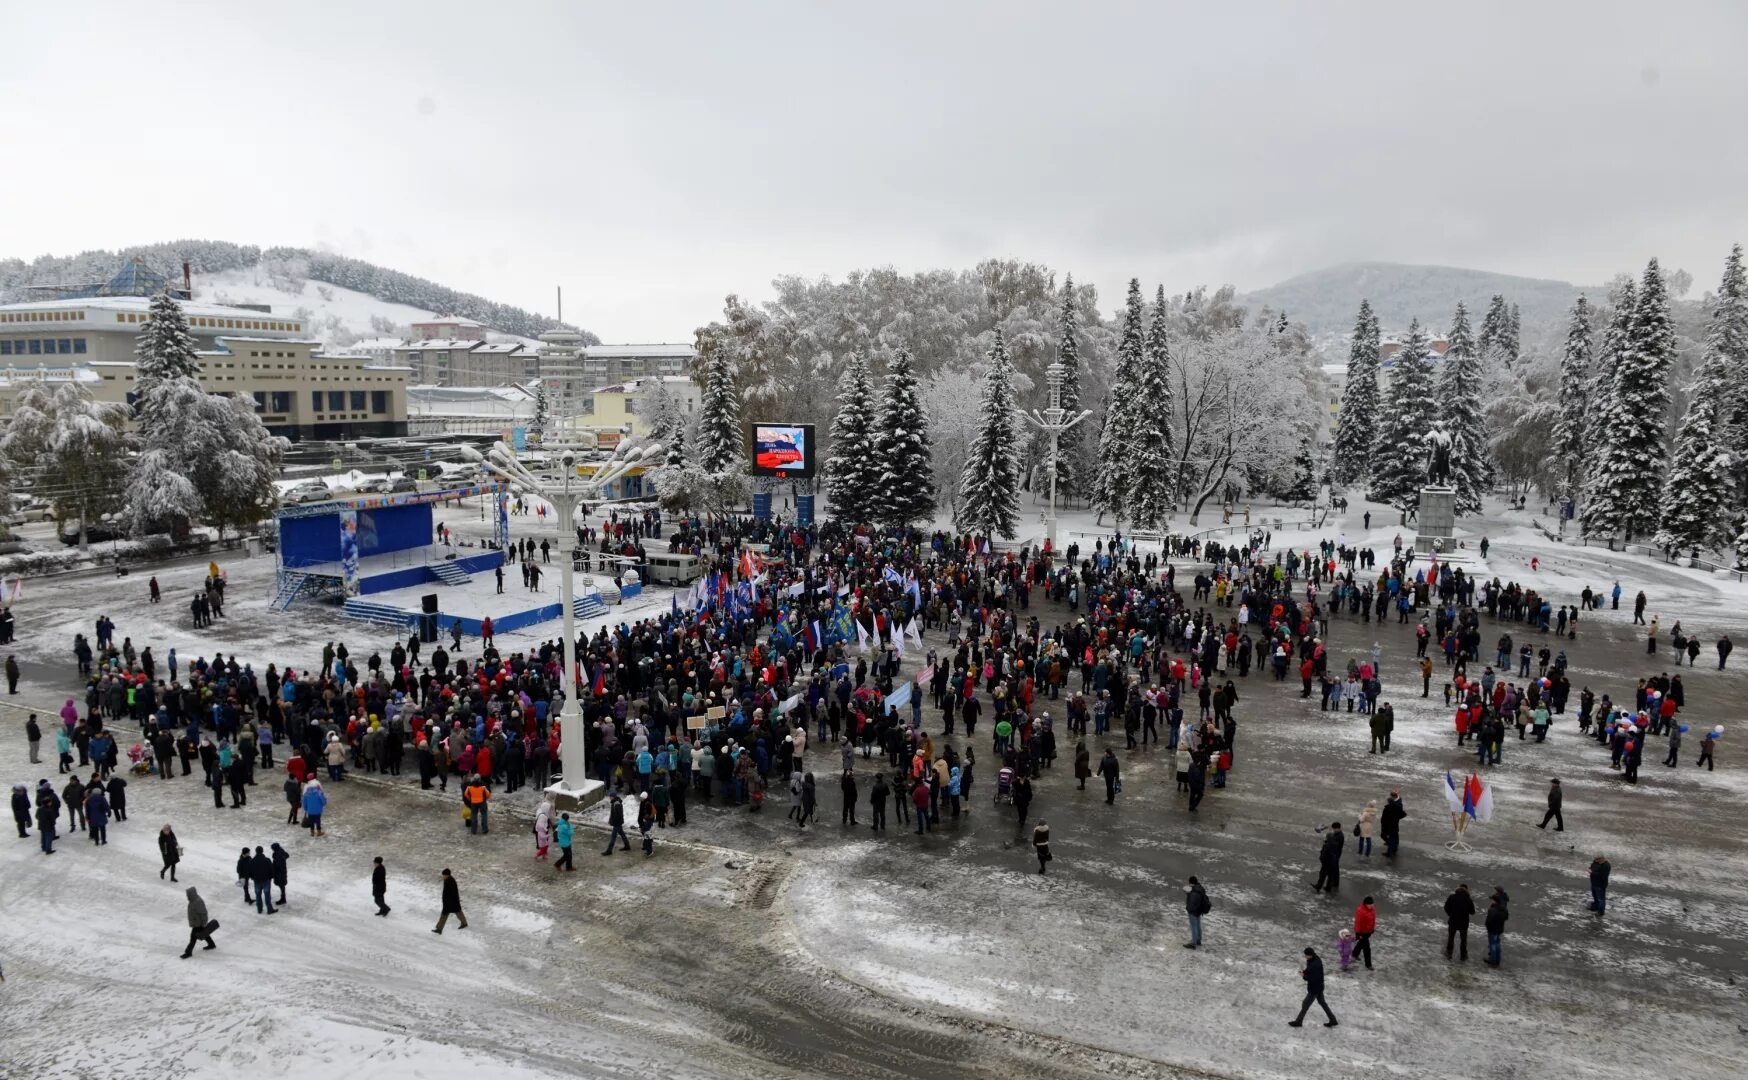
(306, 491)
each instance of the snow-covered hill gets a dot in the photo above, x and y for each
(336, 316)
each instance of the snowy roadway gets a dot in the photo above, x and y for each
(755, 949)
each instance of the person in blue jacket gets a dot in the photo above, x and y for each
(97, 813)
(315, 800)
(563, 834)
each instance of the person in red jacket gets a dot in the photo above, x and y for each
(1306, 671)
(919, 797)
(1365, 924)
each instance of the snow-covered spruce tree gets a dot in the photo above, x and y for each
(1498, 341)
(1399, 453)
(1698, 497)
(1071, 449)
(1727, 334)
(1459, 402)
(1357, 426)
(1304, 484)
(1634, 449)
(906, 489)
(204, 457)
(542, 411)
(164, 348)
(1597, 511)
(721, 443)
(1153, 450)
(1113, 484)
(1568, 440)
(77, 446)
(852, 464)
(989, 489)
(1741, 528)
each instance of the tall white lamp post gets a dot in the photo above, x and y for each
(566, 492)
(1054, 420)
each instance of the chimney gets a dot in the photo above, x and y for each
(187, 279)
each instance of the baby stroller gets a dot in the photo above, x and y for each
(141, 757)
(1004, 785)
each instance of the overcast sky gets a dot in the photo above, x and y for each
(652, 158)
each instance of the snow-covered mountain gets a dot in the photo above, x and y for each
(336, 316)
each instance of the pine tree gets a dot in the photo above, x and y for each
(1569, 435)
(1071, 448)
(906, 490)
(1727, 335)
(721, 444)
(1153, 454)
(164, 349)
(1634, 448)
(1357, 426)
(542, 412)
(1459, 402)
(1303, 486)
(1601, 392)
(1399, 452)
(1498, 340)
(1701, 488)
(989, 500)
(1114, 484)
(852, 466)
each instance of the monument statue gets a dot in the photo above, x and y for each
(1438, 442)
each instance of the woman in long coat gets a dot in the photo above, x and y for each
(170, 850)
(1082, 764)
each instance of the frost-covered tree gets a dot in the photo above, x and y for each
(1399, 451)
(1601, 394)
(1459, 404)
(214, 461)
(1633, 449)
(164, 349)
(989, 490)
(852, 464)
(1357, 426)
(720, 447)
(76, 446)
(906, 487)
(1727, 335)
(1113, 485)
(1499, 336)
(1568, 439)
(1303, 485)
(1071, 447)
(1701, 489)
(1153, 451)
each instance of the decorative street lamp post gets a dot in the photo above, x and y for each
(1054, 420)
(566, 492)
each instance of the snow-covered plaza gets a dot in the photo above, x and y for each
(746, 946)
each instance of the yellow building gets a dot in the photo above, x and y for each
(625, 406)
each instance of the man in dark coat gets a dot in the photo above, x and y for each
(1459, 909)
(451, 903)
(1111, 771)
(1390, 823)
(379, 885)
(280, 858)
(1494, 920)
(1312, 973)
(1329, 859)
(261, 873)
(197, 923)
(1599, 868)
(1554, 801)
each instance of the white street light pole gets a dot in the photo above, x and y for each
(1054, 420)
(566, 492)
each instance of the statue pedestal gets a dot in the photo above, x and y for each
(1437, 519)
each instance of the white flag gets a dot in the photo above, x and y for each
(914, 631)
(861, 636)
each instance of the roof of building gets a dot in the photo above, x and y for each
(449, 320)
(376, 343)
(442, 343)
(601, 352)
(140, 304)
(632, 386)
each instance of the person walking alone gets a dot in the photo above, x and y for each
(200, 928)
(1312, 973)
(1196, 905)
(1329, 859)
(1041, 844)
(379, 885)
(1599, 869)
(451, 903)
(1112, 772)
(616, 819)
(1390, 823)
(170, 850)
(1555, 798)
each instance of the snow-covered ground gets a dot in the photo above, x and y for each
(750, 947)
